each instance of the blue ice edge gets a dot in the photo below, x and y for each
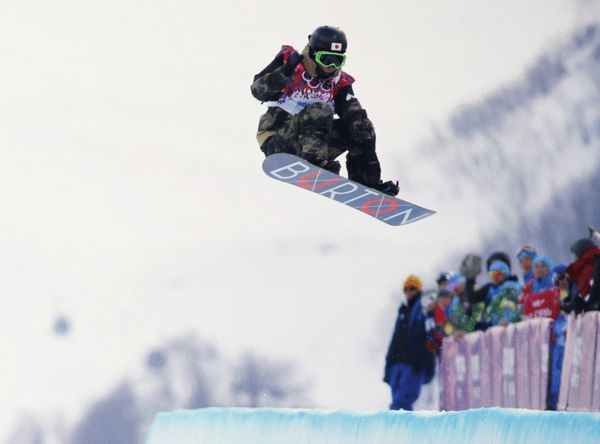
(288, 426)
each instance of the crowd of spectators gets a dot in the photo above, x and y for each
(542, 289)
(462, 305)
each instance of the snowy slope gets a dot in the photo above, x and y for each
(270, 426)
(524, 163)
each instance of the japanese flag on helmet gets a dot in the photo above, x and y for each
(336, 46)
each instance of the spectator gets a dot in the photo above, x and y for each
(459, 311)
(479, 295)
(569, 295)
(409, 364)
(444, 299)
(541, 298)
(500, 304)
(525, 256)
(542, 278)
(585, 272)
(442, 280)
(558, 335)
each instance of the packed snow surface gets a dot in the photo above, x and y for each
(278, 426)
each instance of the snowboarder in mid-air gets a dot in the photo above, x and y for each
(304, 91)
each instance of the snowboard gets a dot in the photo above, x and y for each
(296, 171)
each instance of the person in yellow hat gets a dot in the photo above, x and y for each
(409, 363)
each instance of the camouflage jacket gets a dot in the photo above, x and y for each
(271, 84)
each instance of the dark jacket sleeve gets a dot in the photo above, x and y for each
(344, 100)
(475, 296)
(359, 127)
(269, 83)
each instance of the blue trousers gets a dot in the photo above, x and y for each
(406, 385)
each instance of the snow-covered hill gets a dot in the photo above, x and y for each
(525, 161)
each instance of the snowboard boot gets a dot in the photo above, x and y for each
(329, 165)
(369, 174)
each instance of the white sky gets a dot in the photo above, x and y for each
(128, 163)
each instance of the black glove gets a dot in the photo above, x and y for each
(293, 60)
(471, 266)
(390, 188)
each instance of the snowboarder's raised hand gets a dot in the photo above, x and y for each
(293, 60)
(471, 266)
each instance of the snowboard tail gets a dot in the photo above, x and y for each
(296, 171)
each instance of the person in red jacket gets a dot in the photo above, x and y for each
(585, 272)
(541, 298)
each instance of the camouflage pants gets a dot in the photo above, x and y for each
(312, 134)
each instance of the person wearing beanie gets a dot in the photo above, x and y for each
(585, 272)
(501, 302)
(498, 256)
(542, 276)
(541, 298)
(525, 255)
(477, 295)
(409, 362)
(442, 280)
(459, 311)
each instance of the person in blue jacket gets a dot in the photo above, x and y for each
(526, 254)
(542, 277)
(409, 362)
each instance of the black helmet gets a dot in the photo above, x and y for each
(581, 246)
(328, 38)
(498, 256)
(442, 277)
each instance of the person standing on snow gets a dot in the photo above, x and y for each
(303, 92)
(409, 362)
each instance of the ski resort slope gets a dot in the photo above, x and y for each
(272, 426)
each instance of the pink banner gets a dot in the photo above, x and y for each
(486, 364)
(447, 366)
(496, 345)
(503, 367)
(580, 396)
(535, 365)
(576, 360)
(509, 393)
(473, 352)
(523, 386)
(565, 377)
(545, 326)
(460, 368)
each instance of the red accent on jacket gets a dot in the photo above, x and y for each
(582, 270)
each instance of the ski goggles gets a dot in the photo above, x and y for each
(526, 251)
(328, 59)
(496, 274)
